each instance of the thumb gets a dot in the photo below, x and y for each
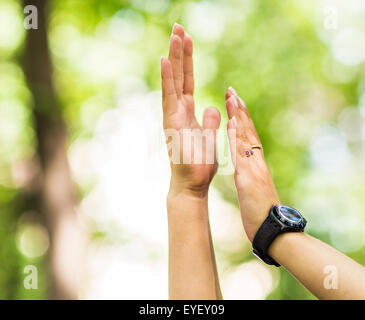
(211, 119)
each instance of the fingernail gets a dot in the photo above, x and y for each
(234, 99)
(173, 27)
(242, 102)
(234, 121)
(233, 91)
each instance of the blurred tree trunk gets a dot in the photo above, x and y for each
(56, 198)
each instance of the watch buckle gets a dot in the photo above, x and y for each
(266, 261)
(257, 255)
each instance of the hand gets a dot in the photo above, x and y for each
(255, 187)
(178, 113)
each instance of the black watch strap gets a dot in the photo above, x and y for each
(266, 234)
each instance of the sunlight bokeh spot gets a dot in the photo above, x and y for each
(33, 240)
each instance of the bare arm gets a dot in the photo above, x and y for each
(192, 266)
(323, 270)
(311, 261)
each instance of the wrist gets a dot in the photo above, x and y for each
(187, 204)
(181, 189)
(186, 196)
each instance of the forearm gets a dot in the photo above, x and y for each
(192, 268)
(323, 270)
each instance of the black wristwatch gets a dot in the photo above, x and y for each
(280, 219)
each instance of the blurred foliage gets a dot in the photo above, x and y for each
(276, 54)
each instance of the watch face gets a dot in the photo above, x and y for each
(289, 214)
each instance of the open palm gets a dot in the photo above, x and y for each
(178, 109)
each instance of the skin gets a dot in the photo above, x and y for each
(192, 266)
(305, 257)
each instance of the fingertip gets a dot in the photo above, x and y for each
(211, 118)
(166, 68)
(228, 94)
(232, 91)
(231, 107)
(232, 102)
(178, 30)
(162, 61)
(213, 113)
(242, 103)
(188, 39)
(175, 39)
(175, 46)
(188, 44)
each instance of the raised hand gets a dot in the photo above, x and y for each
(303, 256)
(255, 187)
(192, 267)
(178, 110)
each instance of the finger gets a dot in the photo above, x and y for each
(245, 136)
(244, 122)
(230, 92)
(211, 121)
(232, 102)
(248, 123)
(176, 56)
(188, 65)
(236, 146)
(249, 137)
(231, 133)
(231, 106)
(234, 113)
(178, 30)
(169, 98)
(242, 114)
(241, 103)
